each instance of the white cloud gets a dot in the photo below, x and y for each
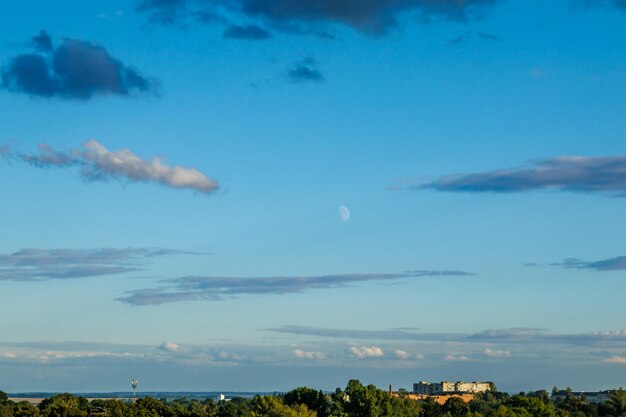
(170, 346)
(497, 353)
(302, 354)
(125, 164)
(229, 356)
(401, 354)
(616, 359)
(100, 164)
(419, 356)
(457, 358)
(365, 351)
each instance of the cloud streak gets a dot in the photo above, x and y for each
(593, 175)
(611, 264)
(75, 69)
(97, 163)
(47, 264)
(486, 338)
(373, 17)
(196, 288)
(248, 33)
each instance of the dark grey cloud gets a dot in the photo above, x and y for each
(46, 264)
(599, 175)
(368, 16)
(42, 42)
(248, 32)
(193, 288)
(75, 69)
(97, 163)
(305, 70)
(611, 264)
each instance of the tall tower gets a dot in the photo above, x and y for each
(133, 383)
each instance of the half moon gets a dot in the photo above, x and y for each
(344, 213)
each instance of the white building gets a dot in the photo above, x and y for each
(447, 387)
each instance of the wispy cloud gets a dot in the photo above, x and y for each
(611, 264)
(375, 17)
(494, 353)
(390, 334)
(483, 339)
(44, 264)
(616, 359)
(75, 69)
(304, 70)
(619, 4)
(248, 32)
(456, 358)
(599, 175)
(469, 35)
(194, 288)
(97, 163)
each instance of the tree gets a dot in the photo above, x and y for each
(617, 402)
(314, 400)
(456, 407)
(64, 405)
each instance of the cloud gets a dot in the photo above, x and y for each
(97, 163)
(170, 346)
(299, 353)
(45, 264)
(457, 358)
(594, 175)
(248, 32)
(480, 342)
(304, 70)
(616, 359)
(49, 157)
(401, 354)
(391, 334)
(365, 351)
(373, 17)
(192, 288)
(511, 333)
(497, 353)
(619, 4)
(75, 69)
(42, 42)
(611, 264)
(463, 38)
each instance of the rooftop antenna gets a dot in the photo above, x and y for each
(133, 383)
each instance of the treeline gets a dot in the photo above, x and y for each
(356, 400)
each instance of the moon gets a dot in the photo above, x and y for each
(344, 213)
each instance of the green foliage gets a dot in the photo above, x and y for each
(617, 402)
(370, 401)
(64, 405)
(312, 399)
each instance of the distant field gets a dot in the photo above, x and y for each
(36, 398)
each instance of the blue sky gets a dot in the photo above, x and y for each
(173, 172)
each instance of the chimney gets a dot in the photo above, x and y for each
(390, 390)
